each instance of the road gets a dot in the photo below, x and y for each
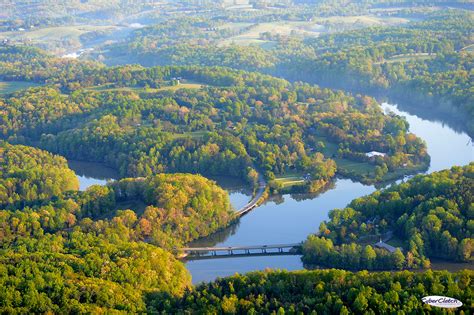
(253, 203)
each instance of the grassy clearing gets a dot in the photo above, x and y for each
(401, 172)
(193, 134)
(181, 86)
(235, 26)
(137, 89)
(357, 168)
(57, 33)
(290, 179)
(345, 165)
(361, 20)
(408, 57)
(284, 28)
(7, 87)
(58, 39)
(330, 148)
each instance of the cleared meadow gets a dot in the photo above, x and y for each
(7, 87)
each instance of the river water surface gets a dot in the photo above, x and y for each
(290, 218)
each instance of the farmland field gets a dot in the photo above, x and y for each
(408, 57)
(311, 28)
(7, 87)
(58, 38)
(148, 90)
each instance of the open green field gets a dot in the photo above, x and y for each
(192, 134)
(180, 86)
(55, 33)
(408, 57)
(359, 168)
(345, 165)
(57, 39)
(7, 87)
(311, 28)
(283, 28)
(235, 26)
(290, 179)
(105, 88)
(358, 21)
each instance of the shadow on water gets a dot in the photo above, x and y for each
(291, 217)
(90, 173)
(93, 170)
(222, 235)
(217, 237)
(268, 254)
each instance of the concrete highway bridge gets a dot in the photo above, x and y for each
(253, 250)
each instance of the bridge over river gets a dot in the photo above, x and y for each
(252, 250)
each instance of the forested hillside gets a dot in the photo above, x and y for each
(214, 121)
(78, 252)
(169, 94)
(431, 215)
(322, 291)
(28, 174)
(426, 63)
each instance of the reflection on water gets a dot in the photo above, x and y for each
(290, 218)
(90, 173)
(207, 270)
(445, 146)
(280, 220)
(222, 236)
(239, 191)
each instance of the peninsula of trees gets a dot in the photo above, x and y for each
(220, 122)
(431, 216)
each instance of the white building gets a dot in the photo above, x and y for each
(372, 154)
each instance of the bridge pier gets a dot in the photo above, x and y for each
(239, 250)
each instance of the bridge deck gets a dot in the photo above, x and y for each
(252, 203)
(214, 249)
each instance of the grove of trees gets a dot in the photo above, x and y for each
(432, 215)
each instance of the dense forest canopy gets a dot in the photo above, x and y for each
(28, 174)
(321, 292)
(224, 122)
(432, 215)
(426, 63)
(81, 252)
(218, 88)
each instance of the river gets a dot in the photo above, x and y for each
(90, 173)
(290, 218)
